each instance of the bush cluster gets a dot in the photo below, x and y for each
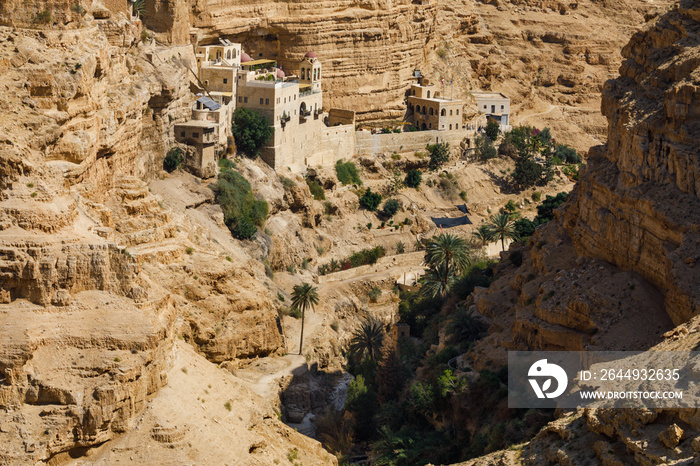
(242, 211)
(370, 200)
(413, 178)
(173, 160)
(251, 131)
(347, 173)
(363, 257)
(316, 189)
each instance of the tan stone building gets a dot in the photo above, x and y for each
(202, 136)
(293, 106)
(429, 110)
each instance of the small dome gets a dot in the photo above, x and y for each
(311, 54)
(245, 57)
(280, 73)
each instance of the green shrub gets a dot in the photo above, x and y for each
(295, 312)
(463, 195)
(492, 130)
(43, 17)
(251, 131)
(413, 178)
(485, 150)
(242, 211)
(173, 160)
(244, 229)
(370, 200)
(316, 189)
(287, 183)
(400, 248)
(524, 228)
(391, 206)
(567, 154)
(536, 196)
(374, 294)
(510, 206)
(189, 251)
(347, 173)
(527, 172)
(439, 154)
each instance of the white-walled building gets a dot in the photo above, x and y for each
(494, 105)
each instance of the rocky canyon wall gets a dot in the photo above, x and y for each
(618, 267)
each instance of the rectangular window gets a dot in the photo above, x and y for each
(285, 100)
(240, 99)
(261, 100)
(195, 135)
(501, 107)
(245, 100)
(182, 134)
(295, 97)
(267, 101)
(225, 81)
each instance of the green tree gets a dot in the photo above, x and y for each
(391, 206)
(492, 130)
(304, 297)
(464, 326)
(173, 160)
(370, 200)
(484, 148)
(482, 235)
(501, 227)
(527, 172)
(567, 154)
(367, 339)
(439, 154)
(447, 256)
(251, 131)
(413, 178)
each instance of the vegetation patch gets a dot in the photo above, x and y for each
(347, 173)
(242, 211)
(363, 257)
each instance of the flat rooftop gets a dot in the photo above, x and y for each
(198, 124)
(435, 99)
(257, 62)
(489, 95)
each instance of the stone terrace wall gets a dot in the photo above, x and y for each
(374, 144)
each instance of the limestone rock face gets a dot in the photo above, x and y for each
(626, 243)
(622, 251)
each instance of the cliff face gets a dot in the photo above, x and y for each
(618, 266)
(637, 205)
(100, 273)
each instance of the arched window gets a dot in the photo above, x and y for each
(423, 110)
(457, 112)
(428, 94)
(228, 55)
(319, 74)
(450, 112)
(303, 73)
(431, 110)
(430, 125)
(443, 112)
(235, 53)
(450, 126)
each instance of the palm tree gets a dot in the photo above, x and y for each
(437, 281)
(367, 339)
(304, 297)
(502, 227)
(482, 235)
(447, 256)
(464, 326)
